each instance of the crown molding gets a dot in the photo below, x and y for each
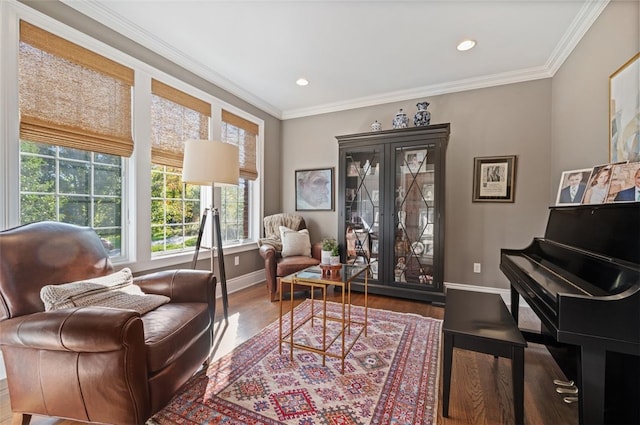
(536, 73)
(580, 25)
(578, 28)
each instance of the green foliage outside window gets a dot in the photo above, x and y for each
(175, 211)
(72, 186)
(233, 213)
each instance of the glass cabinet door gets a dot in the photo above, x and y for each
(414, 215)
(391, 209)
(362, 208)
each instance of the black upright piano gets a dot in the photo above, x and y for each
(582, 279)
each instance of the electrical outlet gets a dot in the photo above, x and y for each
(476, 267)
(236, 260)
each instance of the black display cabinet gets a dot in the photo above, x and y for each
(391, 209)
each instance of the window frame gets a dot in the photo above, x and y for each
(136, 189)
(93, 198)
(165, 172)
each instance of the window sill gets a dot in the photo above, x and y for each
(182, 259)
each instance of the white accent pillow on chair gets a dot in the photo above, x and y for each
(115, 290)
(295, 242)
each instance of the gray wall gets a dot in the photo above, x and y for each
(507, 120)
(580, 89)
(552, 125)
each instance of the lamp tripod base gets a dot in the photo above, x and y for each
(221, 271)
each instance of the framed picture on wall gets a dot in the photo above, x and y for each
(494, 179)
(314, 189)
(624, 112)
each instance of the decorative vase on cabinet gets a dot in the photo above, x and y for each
(400, 120)
(394, 219)
(422, 117)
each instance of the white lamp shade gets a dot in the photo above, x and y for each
(208, 162)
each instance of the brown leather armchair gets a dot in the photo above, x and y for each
(275, 266)
(94, 364)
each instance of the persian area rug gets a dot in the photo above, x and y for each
(390, 377)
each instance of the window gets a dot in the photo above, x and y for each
(235, 226)
(72, 186)
(74, 158)
(175, 207)
(75, 129)
(175, 210)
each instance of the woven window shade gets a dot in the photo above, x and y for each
(71, 96)
(175, 118)
(244, 134)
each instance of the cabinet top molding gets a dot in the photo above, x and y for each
(435, 129)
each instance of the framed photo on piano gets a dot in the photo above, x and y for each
(573, 184)
(494, 179)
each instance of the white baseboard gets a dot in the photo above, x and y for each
(504, 293)
(241, 282)
(253, 278)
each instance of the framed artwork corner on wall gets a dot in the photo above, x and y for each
(314, 189)
(624, 112)
(494, 178)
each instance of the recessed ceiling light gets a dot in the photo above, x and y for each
(466, 45)
(302, 82)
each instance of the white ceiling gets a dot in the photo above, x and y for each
(354, 53)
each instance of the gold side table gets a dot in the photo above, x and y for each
(313, 278)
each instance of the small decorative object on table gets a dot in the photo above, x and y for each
(335, 255)
(376, 126)
(328, 246)
(400, 120)
(331, 271)
(422, 117)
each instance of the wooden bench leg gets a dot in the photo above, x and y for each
(517, 380)
(447, 360)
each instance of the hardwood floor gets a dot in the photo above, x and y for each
(481, 385)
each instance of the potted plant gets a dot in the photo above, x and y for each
(328, 245)
(335, 255)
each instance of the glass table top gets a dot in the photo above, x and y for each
(348, 272)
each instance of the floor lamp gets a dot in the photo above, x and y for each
(211, 163)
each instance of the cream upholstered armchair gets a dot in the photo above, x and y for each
(284, 256)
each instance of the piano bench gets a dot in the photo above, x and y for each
(481, 322)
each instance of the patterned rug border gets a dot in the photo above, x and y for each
(246, 353)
